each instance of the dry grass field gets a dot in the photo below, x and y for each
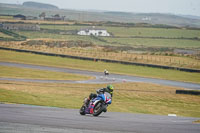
(128, 97)
(28, 58)
(98, 52)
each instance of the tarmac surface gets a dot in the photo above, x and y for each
(19, 118)
(99, 77)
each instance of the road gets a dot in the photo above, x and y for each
(26, 118)
(99, 77)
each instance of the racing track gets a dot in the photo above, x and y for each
(100, 78)
(34, 119)
(27, 118)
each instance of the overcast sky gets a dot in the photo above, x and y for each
(184, 7)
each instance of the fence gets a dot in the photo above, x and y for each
(104, 60)
(136, 58)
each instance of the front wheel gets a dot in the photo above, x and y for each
(98, 108)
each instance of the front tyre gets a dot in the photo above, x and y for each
(98, 108)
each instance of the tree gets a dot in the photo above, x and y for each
(57, 16)
(42, 15)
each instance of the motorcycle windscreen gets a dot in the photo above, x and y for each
(108, 98)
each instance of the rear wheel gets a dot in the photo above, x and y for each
(82, 110)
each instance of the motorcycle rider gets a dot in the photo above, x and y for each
(106, 72)
(108, 89)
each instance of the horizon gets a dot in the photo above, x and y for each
(175, 7)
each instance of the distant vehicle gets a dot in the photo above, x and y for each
(106, 72)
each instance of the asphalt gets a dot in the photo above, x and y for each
(19, 118)
(99, 77)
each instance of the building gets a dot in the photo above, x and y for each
(31, 18)
(30, 27)
(146, 19)
(93, 31)
(19, 17)
(56, 17)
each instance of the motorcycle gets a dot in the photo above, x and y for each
(106, 73)
(97, 105)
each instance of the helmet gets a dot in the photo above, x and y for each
(110, 88)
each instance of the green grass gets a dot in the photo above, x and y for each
(8, 56)
(128, 97)
(174, 43)
(25, 73)
(146, 42)
(62, 27)
(4, 35)
(135, 31)
(6, 17)
(36, 35)
(153, 32)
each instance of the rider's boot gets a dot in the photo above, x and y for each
(87, 100)
(105, 110)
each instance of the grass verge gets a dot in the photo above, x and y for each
(128, 97)
(197, 121)
(15, 72)
(27, 58)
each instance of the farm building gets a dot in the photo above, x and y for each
(19, 17)
(31, 27)
(55, 18)
(31, 18)
(93, 31)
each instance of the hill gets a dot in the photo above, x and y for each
(34, 9)
(39, 5)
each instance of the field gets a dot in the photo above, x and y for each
(8, 56)
(128, 97)
(134, 44)
(147, 45)
(45, 45)
(14, 72)
(38, 35)
(4, 35)
(133, 31)
(153, 32)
